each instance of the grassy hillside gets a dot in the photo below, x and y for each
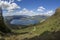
(50, 29)
(47, 30)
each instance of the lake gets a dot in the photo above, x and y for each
(24, 22)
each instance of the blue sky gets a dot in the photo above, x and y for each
(33, 4)
(30, 7)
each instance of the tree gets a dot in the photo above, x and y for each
(3, 27)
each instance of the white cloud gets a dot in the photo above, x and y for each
(10, 1)
(8, 6)
(25, 11)
(41, 9)
(51, 12)
(19, 0)
(47, 13)
(12, 6)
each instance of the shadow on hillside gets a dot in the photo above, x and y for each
(16, 27)
(19, 33)
(46, 36)
(10, 34)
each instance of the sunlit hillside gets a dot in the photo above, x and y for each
(47, 30)
(50, 29)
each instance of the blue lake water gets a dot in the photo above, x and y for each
(24, 22)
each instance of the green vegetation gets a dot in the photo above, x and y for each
(3, 28)
(47, 30)
(50, 29)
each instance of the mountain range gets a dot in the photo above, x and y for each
(18, 20)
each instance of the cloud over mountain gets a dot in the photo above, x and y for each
(41, 8)
(11, 6)
(8, 5)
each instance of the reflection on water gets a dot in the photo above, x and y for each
(24, 22)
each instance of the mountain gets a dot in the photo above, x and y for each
(24, 17)
(49, 29)
(40, 17)
(8, 19)
(15, 17)
(23, 20)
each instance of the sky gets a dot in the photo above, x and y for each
(29, 7)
